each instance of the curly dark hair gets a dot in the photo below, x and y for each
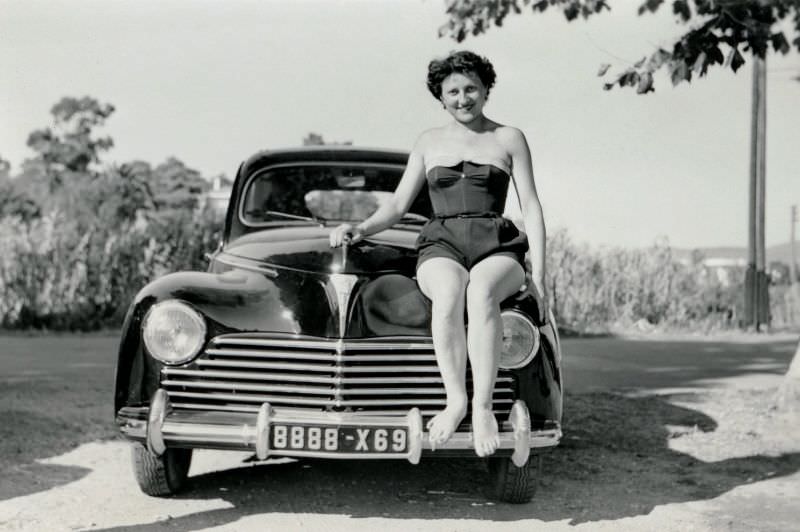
(463, 62)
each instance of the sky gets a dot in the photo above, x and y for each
(211, 82)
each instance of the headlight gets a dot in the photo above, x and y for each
(520, 340)
(173, 332)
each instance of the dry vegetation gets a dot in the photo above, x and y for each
(55, 274)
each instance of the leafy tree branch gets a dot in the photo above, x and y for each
(719, 32)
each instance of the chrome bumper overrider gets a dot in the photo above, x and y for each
(161, 427)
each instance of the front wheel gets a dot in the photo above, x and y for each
(509, 483)
(163, 475)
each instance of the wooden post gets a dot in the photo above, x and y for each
(794, 286)
(762, 301)
(750, 281)
(793, 265)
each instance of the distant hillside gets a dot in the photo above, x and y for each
(779, 252)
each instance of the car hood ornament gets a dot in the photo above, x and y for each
(343, 285)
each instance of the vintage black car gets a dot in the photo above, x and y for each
(290, 348)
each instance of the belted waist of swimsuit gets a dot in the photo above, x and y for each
(484, 214)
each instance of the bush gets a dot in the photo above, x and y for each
(58, 274)
(61, 274)
(592, 290)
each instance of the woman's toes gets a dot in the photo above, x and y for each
(444, 424)
(484, 428)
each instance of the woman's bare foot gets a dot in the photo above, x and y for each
(484, 431)
(445, 423)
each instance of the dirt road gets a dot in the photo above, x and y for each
(659, 435)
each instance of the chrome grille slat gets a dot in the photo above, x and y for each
(250, 398)
(289, 366)
(298, 355)
(237, 373)
(273, 342)
(204, 406)
(277, 400)
(391, 369)
(372, 346)
(250, 387)
(249, 353)
(502, 413)
(325, 345)
(439, 390)
(326, 391)
(285, 366)
(248, 376)
(267, 377)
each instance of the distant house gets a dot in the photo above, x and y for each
(779, 273)
(217, 198)
(727, 268)
(724, 268)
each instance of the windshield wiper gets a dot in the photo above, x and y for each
(286, 215)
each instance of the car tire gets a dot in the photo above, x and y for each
(509, 483)
(161, 476)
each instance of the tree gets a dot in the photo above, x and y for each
(127, 191)
(5, 170)
(719, 33)
(176, 186)
(70, 146)
(14, 202)
(315, 139)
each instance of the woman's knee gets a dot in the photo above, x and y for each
(442, 282)
(447, 302)
(480, 295)
(448, 298)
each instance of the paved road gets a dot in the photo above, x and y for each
(661, 365)
(627, 462)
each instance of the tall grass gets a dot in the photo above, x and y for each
(57, 274)
(597, 289)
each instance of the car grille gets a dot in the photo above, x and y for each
(377, 376)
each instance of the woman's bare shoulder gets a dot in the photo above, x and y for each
(428, 138)
(509, 133)
(512, 138)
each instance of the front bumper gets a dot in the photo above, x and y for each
(160, 427)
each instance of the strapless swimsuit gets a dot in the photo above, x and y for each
(468, 199)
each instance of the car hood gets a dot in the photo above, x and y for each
(307, 248)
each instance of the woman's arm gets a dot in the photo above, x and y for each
(530, 207)
(391, 211)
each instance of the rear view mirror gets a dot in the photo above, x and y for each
(350, 181)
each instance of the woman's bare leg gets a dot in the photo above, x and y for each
(443, 281)
(490, 281)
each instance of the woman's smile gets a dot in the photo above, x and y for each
(463, 96)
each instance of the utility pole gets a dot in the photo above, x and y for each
(756, 284)
(794, 286)
(793, 265)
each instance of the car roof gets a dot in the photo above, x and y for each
(343, 153)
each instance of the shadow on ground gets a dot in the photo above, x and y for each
(614, 463)
(30, 433)
(56, 393)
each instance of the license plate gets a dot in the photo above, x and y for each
(339, 439)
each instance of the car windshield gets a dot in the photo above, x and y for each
(333, 191)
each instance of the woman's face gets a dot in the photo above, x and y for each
(463, 96)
